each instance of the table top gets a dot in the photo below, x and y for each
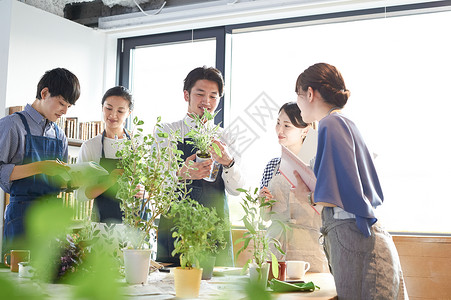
(161, 286)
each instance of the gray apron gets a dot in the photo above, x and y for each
(302, 241)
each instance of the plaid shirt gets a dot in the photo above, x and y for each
(268, 173)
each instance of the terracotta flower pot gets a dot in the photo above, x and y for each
(282, 271)
(136, 265)
(187, 282)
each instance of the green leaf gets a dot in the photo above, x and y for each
(217, 149)
(284, 287)
(274, 266)
(249, 226)
(163, 135)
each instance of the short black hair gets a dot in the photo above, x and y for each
(294, 114)
(201, 73)
(120, 91)
(60, 82)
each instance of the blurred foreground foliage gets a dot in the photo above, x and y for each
(96, 275)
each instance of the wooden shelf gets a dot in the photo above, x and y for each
(75, 143)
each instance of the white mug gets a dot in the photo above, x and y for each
(296, 269)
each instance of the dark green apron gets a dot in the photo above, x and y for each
(107, 205)
(209, 194)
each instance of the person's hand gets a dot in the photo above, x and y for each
(141, 191)
(115, 174)
(301, 190)
(77, 179)
(194, 170)
(264, 192)
(52, 167)
(225, 159)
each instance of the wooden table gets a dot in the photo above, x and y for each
(324, 280)
(161, 286)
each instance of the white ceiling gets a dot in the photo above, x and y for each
(57, 6)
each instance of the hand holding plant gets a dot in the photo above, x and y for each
(195, 170)
(204, 133)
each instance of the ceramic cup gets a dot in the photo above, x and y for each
(296, 269)
(16, 256)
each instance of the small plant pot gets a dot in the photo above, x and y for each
(259, 275)
(137, 264)
(207, 263)
(282, 271)
(214, 167)
(187, 282)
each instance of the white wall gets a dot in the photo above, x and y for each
(33, 41)
(40, 41)
(5, 22)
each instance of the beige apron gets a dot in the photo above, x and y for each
(302, 241)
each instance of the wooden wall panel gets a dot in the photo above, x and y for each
(426, 263)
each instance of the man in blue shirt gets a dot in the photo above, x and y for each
(31, 145)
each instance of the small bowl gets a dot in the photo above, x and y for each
(25, 270)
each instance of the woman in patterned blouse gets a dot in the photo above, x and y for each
(300, 239)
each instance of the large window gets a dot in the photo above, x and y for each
(397, 71)
(157, 82)
(154, 68)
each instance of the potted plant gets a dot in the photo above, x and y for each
(150, 161)
(216, 241)
(202, 136)
(255, 207)
(283, 238)
(197, 230)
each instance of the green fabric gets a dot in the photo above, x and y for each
(284, 287)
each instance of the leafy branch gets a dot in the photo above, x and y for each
(254, 207)
(150, 160)
(204, 133)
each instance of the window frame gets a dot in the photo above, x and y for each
(125, 45)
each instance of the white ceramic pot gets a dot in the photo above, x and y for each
(214, 169)
(260, 276)
(137, 264)
(187, 282)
